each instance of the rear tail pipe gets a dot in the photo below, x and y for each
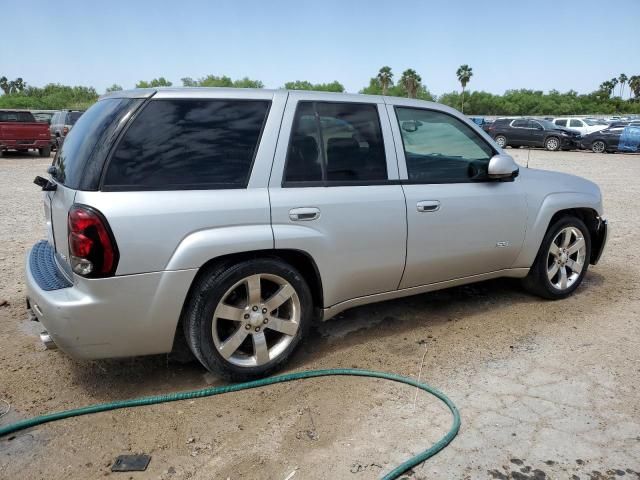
(47, 341)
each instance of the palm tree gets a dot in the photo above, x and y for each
(385, 76)
(613, 82)
(410, 80)
(634, 85)
(622, 79)
(464, 73)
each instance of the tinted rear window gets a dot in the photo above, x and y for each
(88, 139)
(188, 144)
(72, 117)
(16, 117)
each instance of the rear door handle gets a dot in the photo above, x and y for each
(304, 214)
(428, 206)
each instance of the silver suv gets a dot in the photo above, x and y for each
(239, 217)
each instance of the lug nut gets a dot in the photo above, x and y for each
(257, 329)
(246, 316)
(264, 310)
(255, 308)
(265, 321)
(247, 326)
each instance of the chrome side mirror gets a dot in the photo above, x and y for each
(502, 166)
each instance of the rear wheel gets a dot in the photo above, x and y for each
(246, 319)
(552, 144)
(501, 140)
(45, 151)
(562, 261)
(598, 146)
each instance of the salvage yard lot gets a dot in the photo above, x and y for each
(542, 387)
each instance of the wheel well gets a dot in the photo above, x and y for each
(296, 258)
(590, 218)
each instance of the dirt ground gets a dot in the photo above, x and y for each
(545, 389)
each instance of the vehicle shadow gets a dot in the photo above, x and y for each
(108, 380)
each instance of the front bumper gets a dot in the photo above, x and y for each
(121, 316)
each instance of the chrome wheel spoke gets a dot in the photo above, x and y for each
(575, 246)
(260, 348)
(254, 291)
(551, 272)
(575, 267)
(228, 312)
(566, 238)
(563, 277)
(230, 345)
(282, 295)
(283, 326)
(554, 250)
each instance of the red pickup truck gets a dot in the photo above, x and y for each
(20, 131)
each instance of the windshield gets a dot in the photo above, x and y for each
(91, 133)
(593, 121)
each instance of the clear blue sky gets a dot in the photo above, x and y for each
(536, 44)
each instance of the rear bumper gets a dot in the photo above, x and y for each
(108, 317)
(20, 144)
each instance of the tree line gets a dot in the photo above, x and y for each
(18, 94)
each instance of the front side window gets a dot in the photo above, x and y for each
(188, 144)
(336, 143)
(575, 123)
(561, 123)
(439, 148)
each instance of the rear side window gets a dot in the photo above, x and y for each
(188, 144)
(84, 148)
(72, 118)
(336, 143)
(520, 124)
(562, 123)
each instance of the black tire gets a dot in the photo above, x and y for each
(552, 144)
(501, 140)
(45, 152)
(537, 281)
(210, 289)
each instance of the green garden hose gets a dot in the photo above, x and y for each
(207, 392)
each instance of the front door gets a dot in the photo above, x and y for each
(335, 195)
(460, 223)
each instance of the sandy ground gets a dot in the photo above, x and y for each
(545, 389)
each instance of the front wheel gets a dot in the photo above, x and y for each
(552, 144)
(245, 320)
(562, 260)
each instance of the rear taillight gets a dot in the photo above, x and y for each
(92, 248)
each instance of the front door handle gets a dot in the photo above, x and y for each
(304, 214)
(428, 206)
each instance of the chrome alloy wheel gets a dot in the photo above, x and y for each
(256, 320)
(598, 146)
(566, 258)
(553, 144)
(501, 141)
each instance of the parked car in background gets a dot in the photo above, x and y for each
(61, 123)
(532, 132)
(238, 217)
(480, 121)
(582, 125)
(621, 138)
(20, 131)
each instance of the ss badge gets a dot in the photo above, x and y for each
(502, 244)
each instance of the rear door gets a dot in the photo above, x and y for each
(519, 132)
(459, 222)
(335, 195)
